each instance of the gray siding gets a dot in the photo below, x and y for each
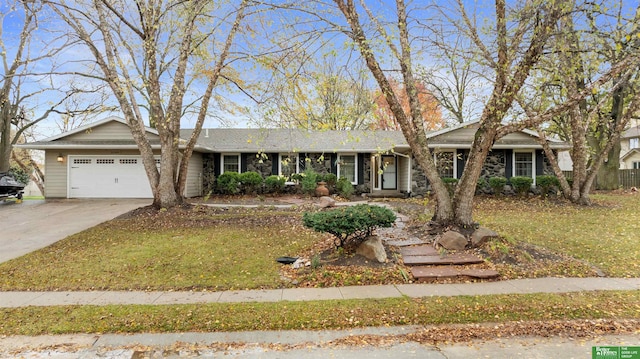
(55, 179)
(193, 186)
(109, 131)
(403, 174)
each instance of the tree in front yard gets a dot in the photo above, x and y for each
(593, 126)
(149, 53)
(507, 49)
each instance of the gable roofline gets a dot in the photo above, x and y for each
(631, 152)
(631, 133)
(95, 124)
(473, 122)
(452, 128)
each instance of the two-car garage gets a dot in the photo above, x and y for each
(107, 177)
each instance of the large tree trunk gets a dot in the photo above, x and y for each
(608, 174)
(465, 191)
(5, 150)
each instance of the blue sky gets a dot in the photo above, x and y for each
(46, 32)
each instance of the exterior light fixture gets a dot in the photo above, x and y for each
(60, 158)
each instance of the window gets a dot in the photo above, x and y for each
(523, 164)
(445, 164)
(230, 163)
(288, 164)
(634, 143)
(347, 167)
(636, 165)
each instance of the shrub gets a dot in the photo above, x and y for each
(19, 175)
(450, 183)
(520, 184)
(274, 184)
(228, 182)
(344, 187)
(309, 181)
(296, 177)
(251, 181)
(331, 179)
(497, 184)
(546, 183)
(481, 184)
(350, 225)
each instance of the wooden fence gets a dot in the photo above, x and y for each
(626, 178)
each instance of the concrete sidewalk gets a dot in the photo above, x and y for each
(519, 286)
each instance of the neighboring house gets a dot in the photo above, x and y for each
(630, 148)
(101, 159)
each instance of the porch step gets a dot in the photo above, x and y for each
(426, 274)
(455, 259)
(425, 250)
(402, 243)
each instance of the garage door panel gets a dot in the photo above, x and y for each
(108, 177)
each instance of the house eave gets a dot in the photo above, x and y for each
(53, 146)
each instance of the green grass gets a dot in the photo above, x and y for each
(604, 235)
(317, 315)
(28, 198)
(120, 256)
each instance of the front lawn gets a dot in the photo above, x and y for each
(605, 235)
(192, 249)
(201, 248)
(534, 314)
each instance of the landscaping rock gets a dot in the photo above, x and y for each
(453, 241)
(372, 249)
(326, 202)
(481, 236)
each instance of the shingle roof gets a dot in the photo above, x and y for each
(296, 140)
(632, 132)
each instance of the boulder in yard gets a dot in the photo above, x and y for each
(481, 236)
(372, 249)
(453, 241)
(326, 202)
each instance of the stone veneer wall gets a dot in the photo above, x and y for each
(320, 162)
(494, 165)
(208, 173)
(261, 163)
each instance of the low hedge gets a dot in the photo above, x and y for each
(228, 182)
(497, 184)
(521, 184)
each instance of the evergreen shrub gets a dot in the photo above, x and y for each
(274, 184)
(228, 182)
(497, 184)
(350, 225)
(251, 181)
(546, 183)
(521, 184)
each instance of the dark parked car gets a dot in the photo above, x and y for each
(9, 187)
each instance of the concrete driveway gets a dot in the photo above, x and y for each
(32, 225)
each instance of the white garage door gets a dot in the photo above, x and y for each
(108, 177)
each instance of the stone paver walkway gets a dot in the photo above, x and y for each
(518, 286)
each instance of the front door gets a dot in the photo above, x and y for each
(389, 172)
